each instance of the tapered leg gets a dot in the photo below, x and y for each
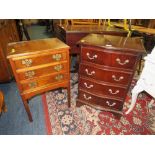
(25, 102)
(68, 94)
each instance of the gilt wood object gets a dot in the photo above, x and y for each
(107, 66)
(39, 66)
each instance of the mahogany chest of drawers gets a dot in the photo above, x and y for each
(71, 34)
(39, 66)
(107, 66)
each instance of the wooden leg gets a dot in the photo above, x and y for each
(140, 66)
(25, 102)
(2, 103)
(60, 90)
(76, 65)
(4, 107)
(68, 94)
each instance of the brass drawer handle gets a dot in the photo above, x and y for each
(90, 86)
(33, 84)
(29, 74)
(13, 50)
(111, 105)
(91, 73)
(59, 77)
(91, 58)
(27, 62)
(122, 63)
(58, 67)
(57, 57)
(87, 98)
(111, 92)
(119, 79)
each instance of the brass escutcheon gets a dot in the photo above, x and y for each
(29, 74)
(57, 57)
(59, 77)
(27, 62)
(13, 50)
(58, 67)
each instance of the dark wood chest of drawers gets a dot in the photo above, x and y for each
(71, 34)
(39, 66)
(107, 66)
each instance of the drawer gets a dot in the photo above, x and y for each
(42, 81)
(38, 60)
(100, 101)
(106, 75)
(102, 89)
(109, 58)
(29, 74)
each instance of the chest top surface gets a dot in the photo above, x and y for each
(24, 48)
(113, 42)
(90, 28)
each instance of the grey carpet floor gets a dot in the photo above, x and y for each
(15, 120)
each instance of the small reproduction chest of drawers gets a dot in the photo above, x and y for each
(39, 66)
(107, 66)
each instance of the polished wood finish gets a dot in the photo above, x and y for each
(105, 57)
(110, 74)
(83, 21)
(8, 33)
(39, 66)
(107, 66)
(102, 88)
(71, 34)
(140, 29)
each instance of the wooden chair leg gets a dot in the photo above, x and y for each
(25, 102)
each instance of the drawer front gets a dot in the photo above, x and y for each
(109, 58)
(104, 102)
(43, 71)
(42, 81)
(93, 56)
(105, 75)
(38, 60)
(102, 89)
